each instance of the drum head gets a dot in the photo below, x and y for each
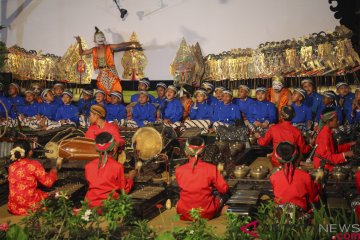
(52, 150)
(148, 142)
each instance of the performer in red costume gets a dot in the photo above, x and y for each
(283, 131)
(196, 179)
(99, 125)
(326, 152)
(24, 175)
(105, 175)
(291, 185)
(103, 60)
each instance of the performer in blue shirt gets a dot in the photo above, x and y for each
(261, 113)
(345, 99)
(100, 97)
(160, 90)
(172, 111)
(143, 112)
(329, 101)
(303, 115)
(244, 101)
(226, 112)
(115, 111)
(144, 85)
(209, 88)
(313, 100)
(14, 101)
(201, 113)
(58, 90)
(355, 114)
(67, 113)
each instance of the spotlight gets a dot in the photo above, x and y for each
(123, 12)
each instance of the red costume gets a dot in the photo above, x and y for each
(94, 130)
(196, 189)
(102, 181)
(283, 132)
(327, 150)
(299, 192)
(357, 182)
(24, 176)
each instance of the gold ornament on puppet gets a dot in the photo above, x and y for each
(134, 62)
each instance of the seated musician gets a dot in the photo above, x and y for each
(24, 176)
(99, 125)
(200, 112)
(303, 116)
(209, 88)
(278, 94)
(313, 99)
(115, 110)
(291, 185)
(47, 110)
(58, 90)
(67, 113)
(218, 95)
(160, 91)
(84, 104)
(226, 112)
(196, 180)
(143, 112)
(329, 101)
(327, 154)
(172, 111)
(29, 110)
(283, 132)
(144, 85)
(244, 101)
(105, 175)
(100, 97)
(261, 113)
(14, 100)
(355, 110)
(346, 98)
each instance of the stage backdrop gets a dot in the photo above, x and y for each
(218, 25)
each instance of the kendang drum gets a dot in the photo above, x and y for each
(149, 142)
(78, 148)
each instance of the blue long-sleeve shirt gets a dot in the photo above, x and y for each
(338, 111)
(302, 113)
(29, 109)
(13, 104)
(203, 111)
(146, 112)
(226, 113)
(58, 100)
(313, 101)
(173, 110)
(244, 104)
(48, 110)
(134, 98)
(160, 101)
(347, 105)
(262, 111)
(84, 106)
(65, 112)
(115, 112)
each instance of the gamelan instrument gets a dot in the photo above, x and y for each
(149, 142)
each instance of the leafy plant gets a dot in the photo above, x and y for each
(197, 230)
(141, 231)
(233, 224)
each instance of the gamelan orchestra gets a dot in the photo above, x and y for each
(197, 143)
